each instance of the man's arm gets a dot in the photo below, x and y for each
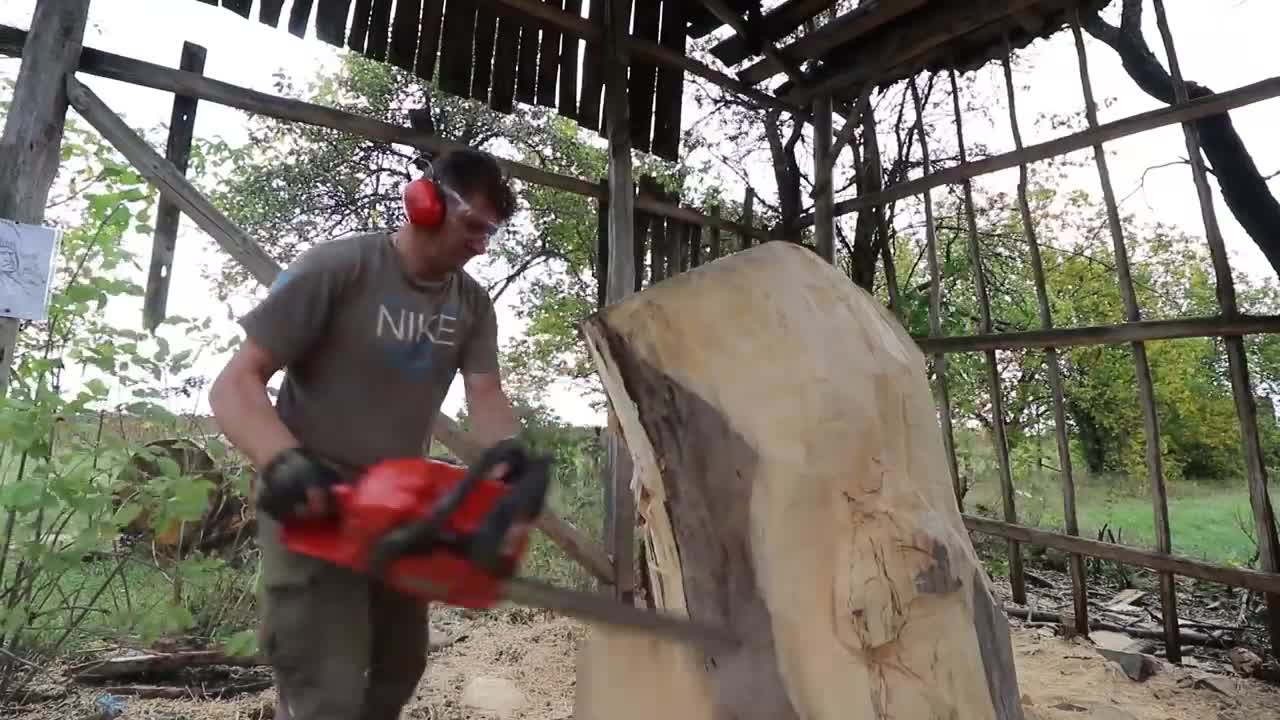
(242, 408)
(489, 408)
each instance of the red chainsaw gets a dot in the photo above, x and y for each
(455, 534)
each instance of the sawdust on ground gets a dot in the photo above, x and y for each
(1059, 679)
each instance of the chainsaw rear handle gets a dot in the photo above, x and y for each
(529, 477)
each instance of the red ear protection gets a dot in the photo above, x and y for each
(423, 204)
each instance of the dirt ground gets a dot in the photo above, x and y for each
(527, 666)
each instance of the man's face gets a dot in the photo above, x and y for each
(469, 225)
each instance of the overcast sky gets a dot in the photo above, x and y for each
(1223, 44)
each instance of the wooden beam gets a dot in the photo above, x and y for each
(158, 77)
(778, 22)
(856, 23)
(901, 48)
(165, 176)
(649, 51)
(240, 246)
(182, 123)
(1137, 557)
(1206, 106)
(31, 145)
(621, 511)
(739, 25)
(1140, 331)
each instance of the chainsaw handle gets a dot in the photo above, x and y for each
(420, 535)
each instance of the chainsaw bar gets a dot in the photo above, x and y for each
(598, 608)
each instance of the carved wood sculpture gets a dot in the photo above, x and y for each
(789, 472)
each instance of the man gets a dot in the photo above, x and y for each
(370, 330)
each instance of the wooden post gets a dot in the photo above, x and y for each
(935, 306)
(31, 145)
(1079, 581)
(824, 204)
(182, 123)
(1142, 370)
(748, 218)
(1017, 580)
(1237, 360)
(620, 521)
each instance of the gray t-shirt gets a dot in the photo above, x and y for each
(369, 353)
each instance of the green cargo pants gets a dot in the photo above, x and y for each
(341, 647)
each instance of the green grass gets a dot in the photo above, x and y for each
(1208, 520)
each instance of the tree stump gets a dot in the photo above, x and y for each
(792, 483)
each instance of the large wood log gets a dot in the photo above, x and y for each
(790, 474)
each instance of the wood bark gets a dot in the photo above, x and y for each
(799, 498)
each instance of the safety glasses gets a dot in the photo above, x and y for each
(468, 219)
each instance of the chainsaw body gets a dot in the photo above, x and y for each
(430, 528)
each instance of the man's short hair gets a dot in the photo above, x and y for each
(470, 172)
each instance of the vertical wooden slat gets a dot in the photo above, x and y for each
(592, 74)
(1146, 393)
(716, 248)
(935, 302)
(182, 120)
(502, 97)
(359, 25)
(657, 236)
(269, 12)
(429, 39)
(621, 533)
(31, 143)
(404, 34)
(239, 7)
(602, 247)
(672, 247)
(669, 92)
(299, 15)
(527, 65)
(486, 29)
(570, 45)
(643, 220)
(644, 77)
(1017, 578)
(824, 219)
(331, 20)
(1237, 360)
(748, 217)
(549, 60)
(1079, 579)
(375, 46)
(873, 182)
(456, 46)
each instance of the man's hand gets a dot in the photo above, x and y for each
(296, 484)
(490, 410)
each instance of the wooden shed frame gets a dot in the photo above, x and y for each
(631, 59)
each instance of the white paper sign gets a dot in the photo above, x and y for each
(27, 254)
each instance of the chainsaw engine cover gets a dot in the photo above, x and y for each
(394, 493)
